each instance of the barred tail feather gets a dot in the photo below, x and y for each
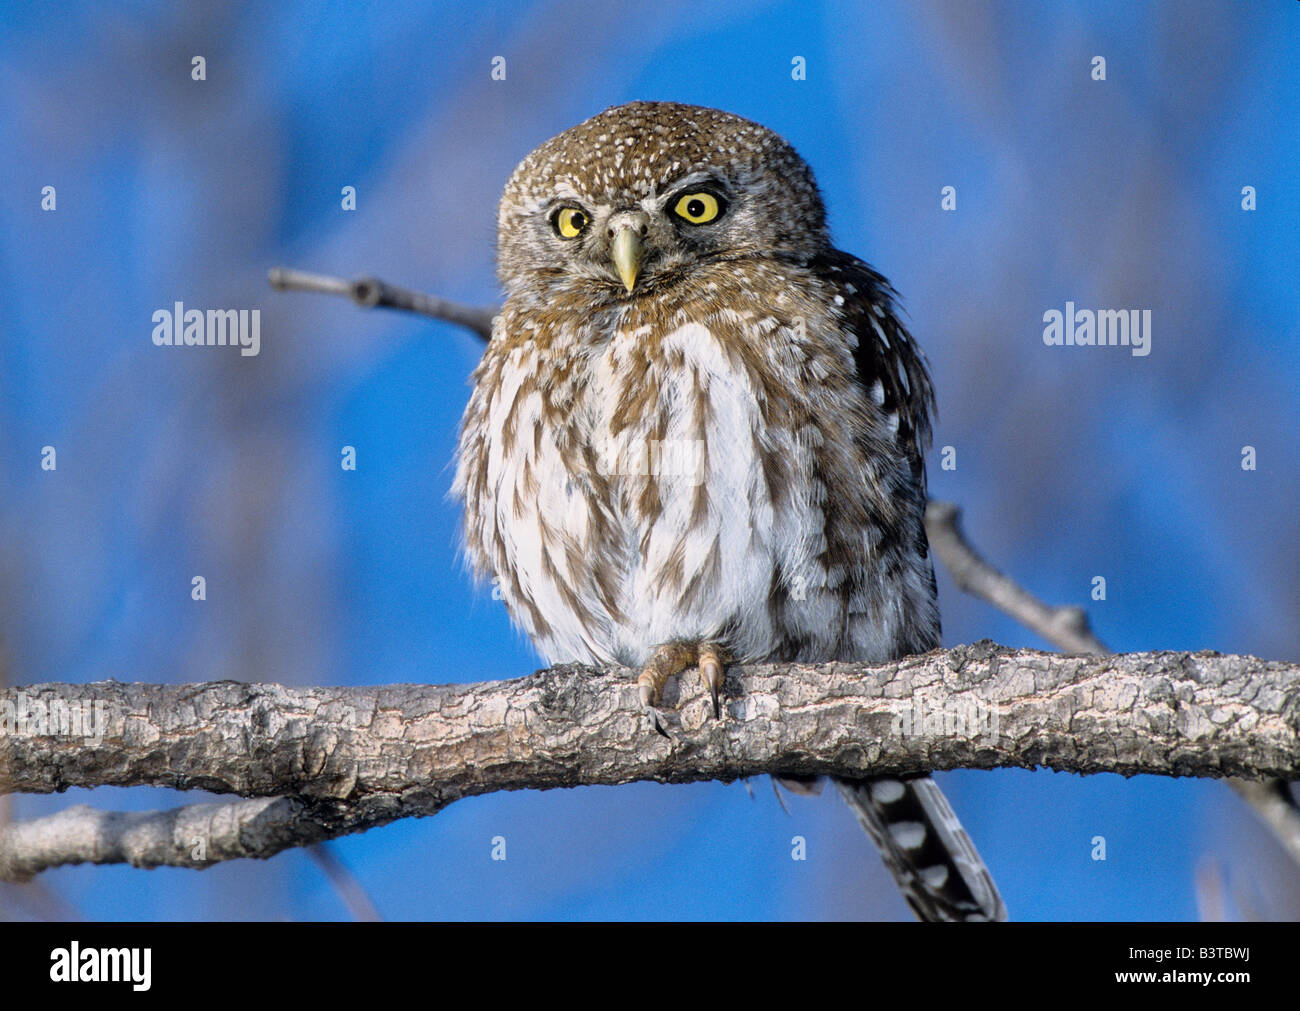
(925, 847)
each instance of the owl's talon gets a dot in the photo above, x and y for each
(649, 692)
(653, 714)
(712, 673)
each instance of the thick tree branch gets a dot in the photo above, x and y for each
(351, 758)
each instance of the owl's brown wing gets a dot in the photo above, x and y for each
(886, 352)
(895, 376)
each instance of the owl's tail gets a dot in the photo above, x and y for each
(924, 846)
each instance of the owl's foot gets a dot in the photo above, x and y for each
(713, 662)
(673, 658)
(669, 659)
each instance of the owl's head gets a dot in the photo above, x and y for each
(641, 194)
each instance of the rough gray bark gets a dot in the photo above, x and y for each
(341, 760)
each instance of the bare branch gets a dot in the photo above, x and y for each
(1064, 627)
(370, 292)
(352, 758)
(196, 836)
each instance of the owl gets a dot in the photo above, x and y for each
(696, 437)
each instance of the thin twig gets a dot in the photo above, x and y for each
(41, 901)
(370, 292)
(1211, 892)
(345, 883)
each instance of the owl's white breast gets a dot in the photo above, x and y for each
(637, 504)
(707, 436)
(700, 561)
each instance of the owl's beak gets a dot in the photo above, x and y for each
(626, 254)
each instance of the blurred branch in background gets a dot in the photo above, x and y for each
(331, 761)
(1064, 627)
(345, 883)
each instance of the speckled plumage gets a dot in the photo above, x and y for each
(728, 453)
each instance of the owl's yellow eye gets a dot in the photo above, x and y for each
(571, 221)
(698, 208)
